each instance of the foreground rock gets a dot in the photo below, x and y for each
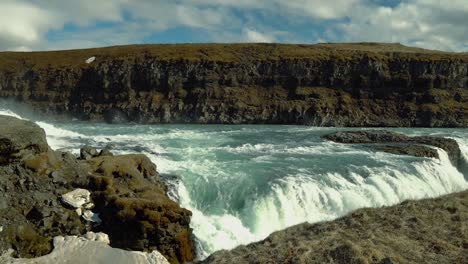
(44, 194)
(361, 84)
(135, 210)
(91, 248)
(426, 231)
(420, 146)
(24, 138)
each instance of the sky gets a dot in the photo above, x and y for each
(27, 25)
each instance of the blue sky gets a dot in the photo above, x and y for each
(63, 24)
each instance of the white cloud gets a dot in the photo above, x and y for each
(25, 24)
(255, 36)
(424, 23)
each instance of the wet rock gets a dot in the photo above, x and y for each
(105, 152)
(115, 116)
(369, 136)
(412, 150)
(88, 152)
(19, 138)
(415, 146)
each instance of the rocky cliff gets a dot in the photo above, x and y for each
(129, 200)
(364, 84)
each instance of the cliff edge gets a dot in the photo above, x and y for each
(355, 84)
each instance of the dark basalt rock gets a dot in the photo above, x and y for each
(322, 85)
(129, 196)
(20, 139)
(115, 116)
(415, 146)
(412, 150)
(88, 152)
(368, 136)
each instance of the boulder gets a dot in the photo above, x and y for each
(88, 152)
(366, 136)
(411, 150)
(19, 138)
(128, 197)
(419, 146)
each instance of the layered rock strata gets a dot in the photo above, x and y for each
(365, 84)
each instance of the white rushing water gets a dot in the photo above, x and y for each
(244, 182)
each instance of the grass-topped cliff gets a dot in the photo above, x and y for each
(227, 53)
(348, 84)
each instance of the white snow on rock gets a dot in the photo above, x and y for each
(91, 217)
(77, 198)
(79, 211)
(91, 248)
(90, 59)
(81, 200)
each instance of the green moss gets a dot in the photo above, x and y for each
(27, 242)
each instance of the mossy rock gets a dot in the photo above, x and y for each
(27, 241)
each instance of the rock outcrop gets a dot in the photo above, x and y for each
(425, 231)
(90, 248)
(397, 143)
(365, 84)
(127, 194)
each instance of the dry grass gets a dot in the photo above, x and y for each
(222, 52)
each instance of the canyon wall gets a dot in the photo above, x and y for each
(364, 84)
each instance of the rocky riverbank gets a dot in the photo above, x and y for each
(128, 200)
(365, 84)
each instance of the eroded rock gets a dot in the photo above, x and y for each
(40, 190)
(127, 198)
(419, 146)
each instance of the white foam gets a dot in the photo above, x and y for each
(299, 198)
(8, 112)
(216, 232)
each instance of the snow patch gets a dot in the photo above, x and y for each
(90, 59)
(90, 248)
(77, 198)
(91, 217)
(81, 200)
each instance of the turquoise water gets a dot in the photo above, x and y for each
(244, 182)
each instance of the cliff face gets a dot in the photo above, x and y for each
(342, 85)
